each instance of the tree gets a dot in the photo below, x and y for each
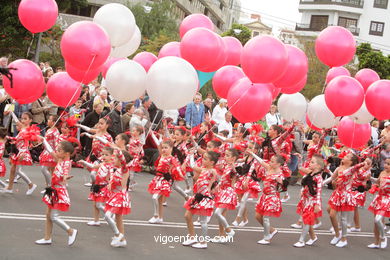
(243, 36)
(373, 59)
(51, 41)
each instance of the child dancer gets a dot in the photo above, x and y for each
(201, 203)
(119, 201)
(3, 169)
(122, 140)
(309, 206)
(180, 151)
(56, 197)
(136, 151)
(380, 207)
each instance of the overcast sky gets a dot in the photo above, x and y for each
(280, 13)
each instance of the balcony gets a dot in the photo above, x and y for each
(317, 28)
(348, 3)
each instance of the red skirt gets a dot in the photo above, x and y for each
(360, 198)
(342, 200)
(135, 164)
(305, 209)
(59, 200)
(381, 205)
(102, 196)
(3, 168)
(45, 159)
(22, 158)
(227, 199)
(204, 208)
(119, 203)
(161, 186)
(269, 205)
(253, 188)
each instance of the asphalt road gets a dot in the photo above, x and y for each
(22, 222)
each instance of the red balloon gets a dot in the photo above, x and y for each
(264, 59)
(274, 90)
(366, 77)
(204, 49)
(170, 49)
(108, 64)
(233, 50)
(38, 15)
(297, 67)
(80, 75)
(249, 102)
(310, 124)
(195, 21)
(378, 99)
(296, 87)
(224, 79)
(344, 96)
(352, 134)
(335, 46)
(335, 72)
(146, 59)
(85, 45)
(62, 90)
(28, 82)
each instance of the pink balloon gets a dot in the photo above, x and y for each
(344, 96)
(335, 46)
(366, 77)
(28, 82)
(204, 49)
(38, 15)
(274, 90)
(310, 124)
(80, 75)
(352, 134)
(233, 50)
(296, 87)
(335, 72)
(170, 49)
(378, 99)
(297, 67)
(195, 21)
(108, 64)
(85, 45)
(249, 102)
(264, 59)
(224, 79)
(62, 90)
(146, 59)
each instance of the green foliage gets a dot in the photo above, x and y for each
(66, 5)
(375, 60)
(243, 36)
(154, 45)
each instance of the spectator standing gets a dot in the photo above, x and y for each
(375, 132)
(40, 111)
(273, 117)
(90, 120)
(195, 112)
(219, 111)
(116, 122)
(129, 110)
(226, 124)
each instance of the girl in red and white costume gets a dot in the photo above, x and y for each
(309, 206)
(180, 151)
(3, 169)
(56, 197)
(201, 203)
(118, 202)
(136, 150)
(380, 206)
(23, 157)
(342, 199)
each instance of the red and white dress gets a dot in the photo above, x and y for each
(23, 157)
(137, 152)
(97, 146)
(182, 147)
(226, 196)
(3, 168)
(205, 206)
(359, 179)
(312, 149)
(342, 198)
(58, 198)
(165, 165)
(269, 203)
(253, 186)
(381, 203)
(307, 203)
(102, 180)
(62, 138)
(119, 200)
(51, 136)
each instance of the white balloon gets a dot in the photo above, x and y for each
(118, 21)
(319, 114)
(129, 47)
(292, 107)
(126, 80)
(172, 83)
(362, 116)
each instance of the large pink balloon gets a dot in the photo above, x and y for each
(352, 134)
(296, 87)
(264, 59)
(344, 96)
(249, 102)
(108, 64)
(28, 82)
(378, 99)
(146, 59)
(204, 49)
(366, 77)
(85, 45)
(62, 90)
(335, 46)
(195, 21)
(274, 90)
(297, 68)
(170, 49)
(224, 79)
(82, 76)
(38, 15)
(335, 72)
(233, 50)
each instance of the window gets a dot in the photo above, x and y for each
(347, 22)
(377, 28)
(319, 22)
(381, 4)
(255, 33)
